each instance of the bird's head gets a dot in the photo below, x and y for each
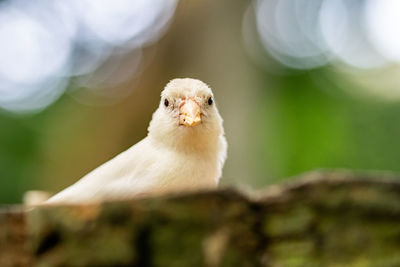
(187, 109)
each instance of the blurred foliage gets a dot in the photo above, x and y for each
(18, 150)
(314, 125)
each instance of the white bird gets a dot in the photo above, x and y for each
(185, 150)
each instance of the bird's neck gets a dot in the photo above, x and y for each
(188, 141)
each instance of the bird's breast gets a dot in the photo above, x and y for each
(187, 172)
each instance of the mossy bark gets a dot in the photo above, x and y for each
(320, 219)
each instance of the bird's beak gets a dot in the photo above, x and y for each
(189, 113)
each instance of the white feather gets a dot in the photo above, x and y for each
(172, 158)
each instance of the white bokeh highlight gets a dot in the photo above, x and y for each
(383, 25)
(289, 31)
(44, 43)
(30, 52)
(309, 34)
(342, 26)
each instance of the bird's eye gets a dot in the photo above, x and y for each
(166, 102)
(210, 101)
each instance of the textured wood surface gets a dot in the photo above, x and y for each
(320, 219)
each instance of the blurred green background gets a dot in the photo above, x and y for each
(284, 113)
